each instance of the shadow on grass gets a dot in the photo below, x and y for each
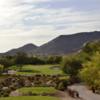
(30, 71)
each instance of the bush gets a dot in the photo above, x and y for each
(71, 66)
(91, 72)
(62, 83)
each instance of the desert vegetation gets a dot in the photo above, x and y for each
(38, 77)
(84, 66)
(30, 76)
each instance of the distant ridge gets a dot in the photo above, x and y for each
(28, 48)
(64, 44)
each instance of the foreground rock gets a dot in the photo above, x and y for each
(15, 93)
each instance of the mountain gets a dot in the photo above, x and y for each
(28, 48)
(64, 44)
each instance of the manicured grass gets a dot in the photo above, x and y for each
(38, 90)
(31, 98)
(37, 69)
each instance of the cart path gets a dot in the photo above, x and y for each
(85, 93)
(64, 96)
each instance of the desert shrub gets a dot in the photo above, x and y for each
(71, 66)
(62, 83)
(90, 73)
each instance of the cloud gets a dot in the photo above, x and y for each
(37, 21)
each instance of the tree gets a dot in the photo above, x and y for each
(53, 59)
(91, 72)
(36, 60)
(1, 69)
(91, 47)
(71, 66)
(5, 63)
(21, 59)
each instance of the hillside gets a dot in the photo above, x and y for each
(61, 45)
(28, 48)
(65, 44)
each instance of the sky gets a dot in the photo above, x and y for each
(39, 21)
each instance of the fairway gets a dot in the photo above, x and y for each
(31, 98)
(38, 90)
(37, 69)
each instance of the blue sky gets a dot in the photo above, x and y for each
(38, 21)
